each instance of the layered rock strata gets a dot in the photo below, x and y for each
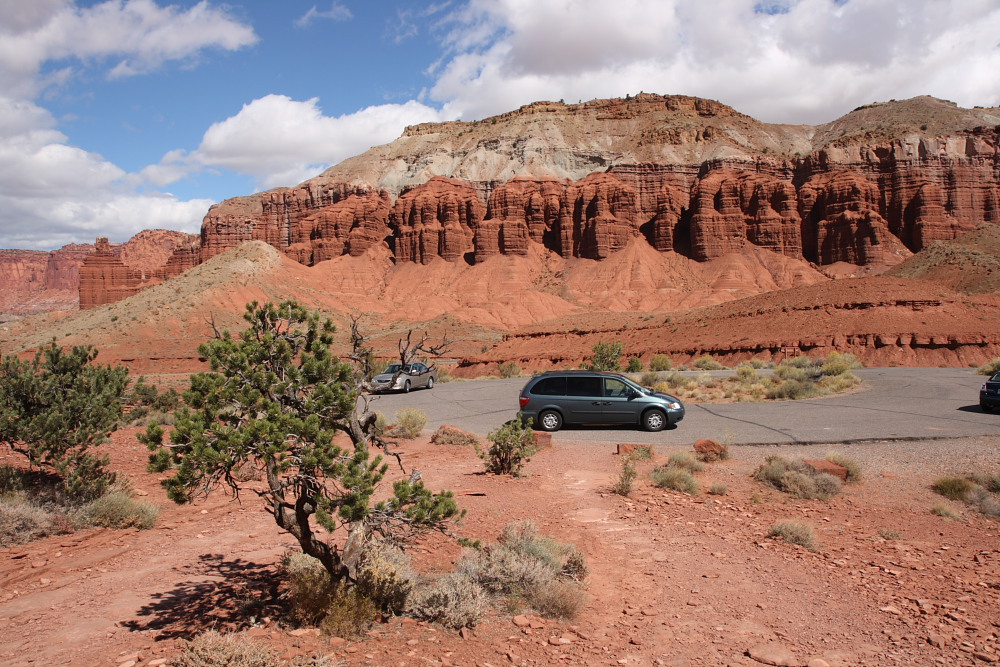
(689, 176)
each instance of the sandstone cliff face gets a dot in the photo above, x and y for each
(689, 176)
(37, 281)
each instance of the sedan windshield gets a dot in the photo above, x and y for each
(392, 368)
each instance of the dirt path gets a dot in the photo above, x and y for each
(674, 579)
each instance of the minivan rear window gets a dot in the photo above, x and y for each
(550, 387)
(583, 386)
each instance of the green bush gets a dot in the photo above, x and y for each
(634, 365)
(214, 649)
(660, 362)
(839, 364)
(718, 489)
(707, 362)
(649, 379)
(508, 369)
(625, 483)
(676, 479)
(605, 357)
(316, 600)
(410, 422)
(953, 488)
(795, 533)
(512, 445)
(454, 600)
(684, 461)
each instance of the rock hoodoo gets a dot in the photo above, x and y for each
(688, 176)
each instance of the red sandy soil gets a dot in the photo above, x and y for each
(674, 579)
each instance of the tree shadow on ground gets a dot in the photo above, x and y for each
(223, 594)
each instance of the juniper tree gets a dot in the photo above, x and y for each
(56, 408)
(276, 397)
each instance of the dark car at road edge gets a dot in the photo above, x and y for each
(555, 398)
(989, 394)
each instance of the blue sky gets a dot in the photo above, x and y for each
(123, 115)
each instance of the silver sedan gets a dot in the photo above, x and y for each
(397, 377)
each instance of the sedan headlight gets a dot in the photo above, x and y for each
(674, 405)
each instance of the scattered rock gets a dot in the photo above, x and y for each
(773, 654)
(710, 449)
(829, 468)
(625, 448)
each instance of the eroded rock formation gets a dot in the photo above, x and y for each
(689, 176)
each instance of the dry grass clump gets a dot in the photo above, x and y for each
(452, 435)
(214, 649)
(793, 532)
(529, 570)
(409, 423)
(990, 367)
(718, 489)
(943, 510)
(953, 488)
(385, 576)
(22, 521)
(685, 461)
(118, 509)
(852, 466)
(707, 362)
(675, 479)
(978, 491)
(796, 479)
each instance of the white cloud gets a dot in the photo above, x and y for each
(52, 192)
(337, 12)
(281, 141)
(802, 61)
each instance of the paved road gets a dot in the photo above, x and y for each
(896, 403)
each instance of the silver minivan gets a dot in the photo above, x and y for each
(593, 397)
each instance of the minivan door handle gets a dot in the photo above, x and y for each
(596, 403)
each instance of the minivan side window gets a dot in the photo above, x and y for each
(550, 387)
(613, 387)
(583, 386)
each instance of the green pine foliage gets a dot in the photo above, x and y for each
(276, 397)
(57, 408)
(606, 357)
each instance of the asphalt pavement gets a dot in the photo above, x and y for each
(893, 404)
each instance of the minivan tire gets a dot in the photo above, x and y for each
(550, 420)
(654, 420)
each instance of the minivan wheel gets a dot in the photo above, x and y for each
(550, 420)
(654, 420)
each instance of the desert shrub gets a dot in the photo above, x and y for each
(444, 375)
(718, 489)
(990, 367)
(660, 362)
(649, 379)
(889, 534)
(410, 422)
(634, 365)
(757, 364)
(984, 502)
(684, 461)
(145, 417)
(747, 374)
(792, 389)
(839, 364)
(315, 599)
(953, 488)
(605, 357)
(795, 533)
(454, 600)
(677, 381)
(853, 467)
(989, 481)
(451, 435)
(385, 576)
(11, 480)
(381, 424)
(625, 483)
(508, 369)
(526, 568)
(707, 362)
(118, 509)
(150, 404)
(676, 479)
(943, 511)
(641, 453)
(214, 649)
(22, 521)
(512, 445)
(796, 479)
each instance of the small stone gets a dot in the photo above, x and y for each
(465, 633)
(937, 640)
(817, 662)
(157, 663)
(41, 562)
(45, 581)
(773, 654)
(412, 642)
(336, 641)
(513, 657)
(985, 657)
(891, 610)
(305, 632)
(521, 621)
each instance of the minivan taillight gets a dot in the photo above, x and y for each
(524, 400)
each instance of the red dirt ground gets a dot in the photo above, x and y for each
(674, 579)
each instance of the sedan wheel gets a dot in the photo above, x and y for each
(550, 420)
(406, 387)
(430, 383)
(654, 420)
